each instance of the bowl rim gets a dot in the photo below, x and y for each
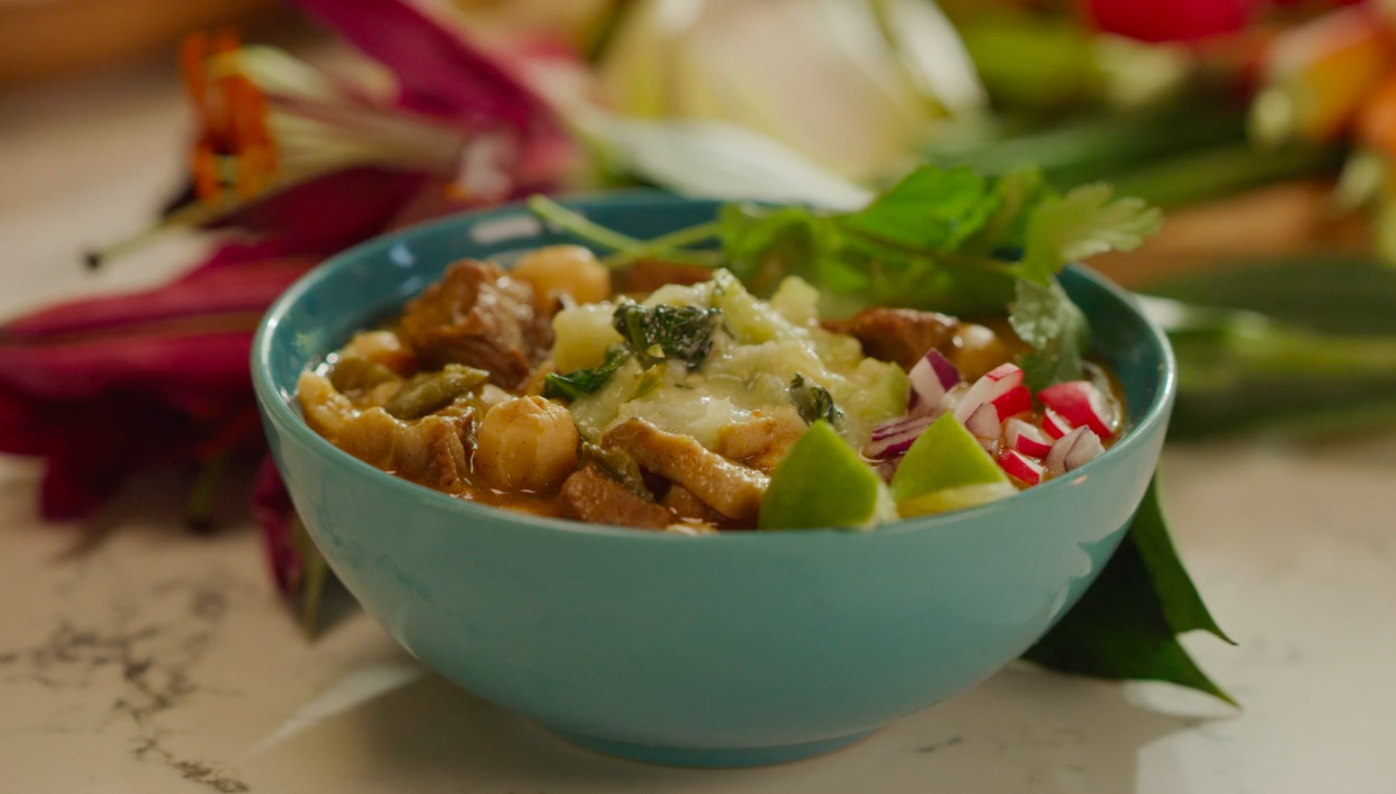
(281, 413)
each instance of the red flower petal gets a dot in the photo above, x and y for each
(320, 217)
(439, 71)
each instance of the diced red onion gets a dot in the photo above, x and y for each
(931, 378)
(1081, 403)
(992, 386)
(984, 422)
(894, 438)
(1021, 467)
(1073, 450)
(1026, 438)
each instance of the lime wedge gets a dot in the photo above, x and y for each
(946, 456)
(822, 482)
(947, 499)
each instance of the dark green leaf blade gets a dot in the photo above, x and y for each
(1330, 293)
(1182, 604)
(1124, 625)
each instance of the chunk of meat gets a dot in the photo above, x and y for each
(645, 277)
(477, 316)
(430, 451)
(684, 505)
(761, 442)
(591, 496)
(899, 335)
(730, 488)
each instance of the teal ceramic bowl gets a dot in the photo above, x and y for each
(739, 649)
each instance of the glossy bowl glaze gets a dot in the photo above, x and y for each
(739, 649)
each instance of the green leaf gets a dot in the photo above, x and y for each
(1182, 604)
(1016, 194)
(928, 210)
(1126, 624)
(1046, 319)
(813, 401)
(654, 332)
(585, 381)
(1081, 224)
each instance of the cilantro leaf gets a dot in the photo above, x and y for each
(1084, 222)
(1046, 319)
(655, 332)
(813, 401)
(585, 381)
(928, 210)
(1016, 194)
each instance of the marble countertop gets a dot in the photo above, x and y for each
(136, 658)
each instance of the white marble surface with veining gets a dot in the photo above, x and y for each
(136, 658)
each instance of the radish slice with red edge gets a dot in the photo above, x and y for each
(1073, 450)
(931, 378)
(1021, 467)
(892, 439)
(1027, 439)
(1055, 425)
(1015, 401)
(1000, 380)
(984, 422)
(1082, 404)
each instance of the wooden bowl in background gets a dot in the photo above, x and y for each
(45, 38)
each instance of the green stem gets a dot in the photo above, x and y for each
(578, 225)
(661, 247)
(628, 248)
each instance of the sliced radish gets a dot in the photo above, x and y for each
(1000, 380)
(1025, 438)
(1073, 450)
(1014, 401)
(931, 378)
(1021, 467)
(1081, 403)
(892, 439)
(984, 422)
(1055, 425)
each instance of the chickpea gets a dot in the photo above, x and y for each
(383, 348)
(528, 444)
(565, 268)
(977, 350)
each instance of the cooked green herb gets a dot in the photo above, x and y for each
(657, 332)
(576, 383)
(813, 401)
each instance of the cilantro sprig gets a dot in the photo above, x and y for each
(947, 240)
